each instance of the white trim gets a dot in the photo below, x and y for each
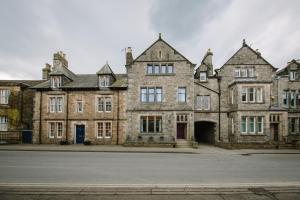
(262, 124)
(254, 124)
(55, 134)
(104, 129)
(104, 103)
(246, 125)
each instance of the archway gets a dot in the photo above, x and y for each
(205, 132)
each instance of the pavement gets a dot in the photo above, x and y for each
(202, 149)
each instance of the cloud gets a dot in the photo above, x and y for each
(93, 32)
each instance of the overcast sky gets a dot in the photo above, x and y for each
(92, 32)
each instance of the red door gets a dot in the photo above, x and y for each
(181, 129)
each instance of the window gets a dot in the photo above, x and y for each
(251, 124)
(56, 81)
(293, 99)
(203, 102)
(244, 72)
(292, 125)
(108, 104)
(79, 106)
(151, 124)
(181, 94)
(3, 123)
(252, 94)
(244, 94)
(149, 69)
(104, 81)
(55, 128)
(237, 72)
(56, 104)
(160, 68)
(259, 97)
(250, 72)
(293, 75)
(4, 95)
(285, 97)
(151, 94)
(260, 124)
(163, 69)
(157, 69)
(104, 104)
(244, 124)
(170, 69)
(202, 76)
(104, 129)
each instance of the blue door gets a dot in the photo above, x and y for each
(27, 136)
(80, 134)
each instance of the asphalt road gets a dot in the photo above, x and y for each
(146, 168)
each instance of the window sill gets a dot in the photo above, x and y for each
(248, 77)
(170, 74)
(252, 134)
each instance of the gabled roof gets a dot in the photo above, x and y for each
(161, 40)
(106, 70)
(63, 71)
(22, 83)
(284, 70)
(245, 45)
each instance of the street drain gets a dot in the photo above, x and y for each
(246, 154)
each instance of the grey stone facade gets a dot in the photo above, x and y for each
(165, 99)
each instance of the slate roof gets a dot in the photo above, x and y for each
(106, 70)
(87, 81)
(24, 83)
(63, 71)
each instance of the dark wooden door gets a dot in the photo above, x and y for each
(27, 137)
(181, 129)
(276, 132)
(80, 134)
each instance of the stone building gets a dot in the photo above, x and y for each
(16, 108)
(165, 99)
(79, 108)
(160, 96)
(287, 98)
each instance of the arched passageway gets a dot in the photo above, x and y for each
(205, 132)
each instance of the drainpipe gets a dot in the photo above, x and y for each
(67, 116)
(219, 98)
(40, 128)
(118, 111)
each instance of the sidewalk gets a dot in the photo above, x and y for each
(95, 148)
(202, 149)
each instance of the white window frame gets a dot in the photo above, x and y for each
(55, 130)
(185, 95)
(251, 72)
(104, 129)
(3, 123)
(237, 72)
(244, 73)
(105, 103)
(200, 102)
(56, 82)
(154, 125)
(293, 97)
(54, 105)
(254, 94)
(254, 124)
(232, 96)
(293, 75)
(259, 95)
(103, 81)
(244, 91)
(262, 124)
(79, 106)
(4, 96)
(246, 125)
(155, 94)
(203, 77)
(232, 125)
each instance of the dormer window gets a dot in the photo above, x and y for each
(103, 81)
(293, 75)
(203, 77)
(56, 81)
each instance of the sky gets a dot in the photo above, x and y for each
(94, 32)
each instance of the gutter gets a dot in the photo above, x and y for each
(118, 112)
(40, 128)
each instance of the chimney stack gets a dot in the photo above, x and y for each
(208, 61)
(46, 71)
(59, 60)
(129, 57)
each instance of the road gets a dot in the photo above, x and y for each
(146, 168)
